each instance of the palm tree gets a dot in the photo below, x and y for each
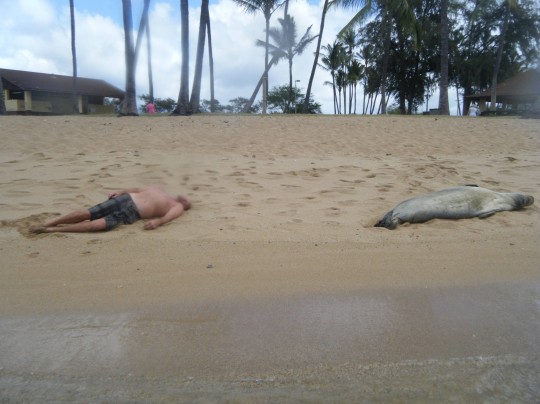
(507, 6)
(249, 105)
(367, 8)
(286, 45)
(196, 89)
(149, 52)
(332, 61)
(349, 40)
(354, 75)
(305, 106)
(144, 27)
(211, 66)
(390, 11)
(74, 58)
(129, 106)
(183, 106)
(267, 7)
(443, 84)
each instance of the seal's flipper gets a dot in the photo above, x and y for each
(488, 214)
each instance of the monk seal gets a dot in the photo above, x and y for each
(461, 202)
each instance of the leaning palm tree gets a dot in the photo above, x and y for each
(74, 58)
(267, 7)
(249, 104)
(507, 7)
(305, 106)
(287, 47)
(144, 27)
(196, 89)
(211, 66)
(149, 52)
(129, 106)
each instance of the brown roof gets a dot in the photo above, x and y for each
(524, 87)
(54, 83)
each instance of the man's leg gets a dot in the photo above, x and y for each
(73, 217)
(82, 227)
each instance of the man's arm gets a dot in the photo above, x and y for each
(172, 214)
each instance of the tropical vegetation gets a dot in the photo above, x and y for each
(391, 51)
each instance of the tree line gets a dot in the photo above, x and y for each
(393, 49)
(407, 49)
(399, 49)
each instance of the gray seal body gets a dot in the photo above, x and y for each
(461, 202)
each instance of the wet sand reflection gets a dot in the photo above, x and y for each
(479, 340)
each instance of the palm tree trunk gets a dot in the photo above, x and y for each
(305, 107)
(258, 86)
(387, 28)
(335, 94)
(502, 35)
(142, 27)
(266, 68)
(196, 89)
(443, 84)
(130, 101)
(211, 66)
(290, 100)
(149, 51)
(183, 106)
(74, 58)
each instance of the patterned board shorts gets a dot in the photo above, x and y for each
(117, 210)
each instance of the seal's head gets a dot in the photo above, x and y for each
(522, 200)
(388, 221)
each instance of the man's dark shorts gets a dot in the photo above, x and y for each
(117, 210)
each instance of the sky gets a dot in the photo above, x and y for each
(35, 35)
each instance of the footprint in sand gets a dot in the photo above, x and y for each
(384, 188)
(332, 211)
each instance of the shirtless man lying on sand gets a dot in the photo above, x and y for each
(126, 206)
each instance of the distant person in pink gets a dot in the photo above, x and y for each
(150, 108)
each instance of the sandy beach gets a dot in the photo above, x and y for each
(275, 286)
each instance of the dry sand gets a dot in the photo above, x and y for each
(275, 286)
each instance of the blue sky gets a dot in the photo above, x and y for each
(35, 36)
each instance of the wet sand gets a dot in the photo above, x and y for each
(275, 286)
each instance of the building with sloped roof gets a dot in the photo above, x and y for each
(41, 93)
(518, 93)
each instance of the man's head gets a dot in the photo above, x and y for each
(186, 203)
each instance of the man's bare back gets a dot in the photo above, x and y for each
(125, 206)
